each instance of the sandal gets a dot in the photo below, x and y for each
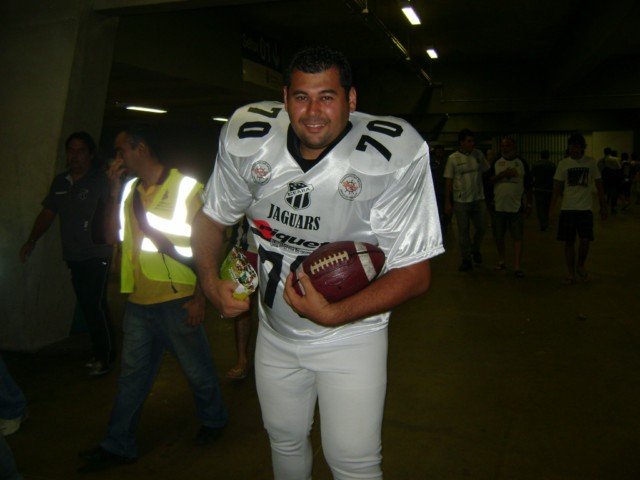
(519, 274)
(584, 275)
(568, 281)
(500, 266)
(237, 373)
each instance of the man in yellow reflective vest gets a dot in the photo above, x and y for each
(165, 307)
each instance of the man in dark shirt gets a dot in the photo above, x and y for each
(81, 196)
(438, 161)
(542, 172)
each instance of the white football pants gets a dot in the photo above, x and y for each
(348, 378)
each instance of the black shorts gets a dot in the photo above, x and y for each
(508, 221)
(575, 221)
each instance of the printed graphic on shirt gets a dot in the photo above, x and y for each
(298, 195)
(578, 177)
(165, 204)
(303, 222)
(293, 244)
(350, 186)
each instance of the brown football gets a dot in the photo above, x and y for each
(340, 269)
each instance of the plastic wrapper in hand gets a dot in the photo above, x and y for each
(237, 268)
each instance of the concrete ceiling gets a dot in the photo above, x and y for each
(512, 60)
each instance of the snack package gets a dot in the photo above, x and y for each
(237, 268)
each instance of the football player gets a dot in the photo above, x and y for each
(307, 172)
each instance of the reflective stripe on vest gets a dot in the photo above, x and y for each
(125, 193)
(177, 225)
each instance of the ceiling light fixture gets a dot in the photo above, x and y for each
(219, 119)
(145, 109)
(432, 53)
(410, 13)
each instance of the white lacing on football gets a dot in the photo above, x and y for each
(336, 258)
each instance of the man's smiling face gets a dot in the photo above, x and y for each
(318, 108)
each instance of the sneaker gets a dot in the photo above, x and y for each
(208, 435)
(465, 266)
(9, 426)
(98, 369)
(477, 257)
(91, 362)
(99, 458)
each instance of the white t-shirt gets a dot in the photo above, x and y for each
(466, 172)
(578, 177)
(508, 192)
(373, 186)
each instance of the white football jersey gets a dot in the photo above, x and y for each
(373, 186)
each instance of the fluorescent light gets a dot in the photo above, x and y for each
(219, 119)
(411, 15)
(145, 109)
(432, 53)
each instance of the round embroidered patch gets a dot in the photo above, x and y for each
(350, 186)
(261, 172)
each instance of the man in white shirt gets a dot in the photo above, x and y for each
(511, 181)
(573, 181)
(463, 185)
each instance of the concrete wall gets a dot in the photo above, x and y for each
(56, 59)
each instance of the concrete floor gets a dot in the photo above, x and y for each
(490, 377)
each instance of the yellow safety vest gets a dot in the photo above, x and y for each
(167, 213)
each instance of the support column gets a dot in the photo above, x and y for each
(56, 57)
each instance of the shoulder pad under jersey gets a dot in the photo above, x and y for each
(252, 126)
(389, 143)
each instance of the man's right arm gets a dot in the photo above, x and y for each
(555, 197)
(601, 199)
(448, 195)
(207, 243)
(40, 226)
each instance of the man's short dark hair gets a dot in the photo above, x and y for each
(83, 137)
(143, 133)
(464, 133)
(577, 139)
(544, 154)
(318, 59)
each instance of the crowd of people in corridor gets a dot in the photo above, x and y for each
(501, 193)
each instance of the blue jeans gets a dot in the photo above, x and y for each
(467, 214)
(148, 331)
(12, 401)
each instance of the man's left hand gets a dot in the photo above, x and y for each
(195, 309)
(604, 213)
